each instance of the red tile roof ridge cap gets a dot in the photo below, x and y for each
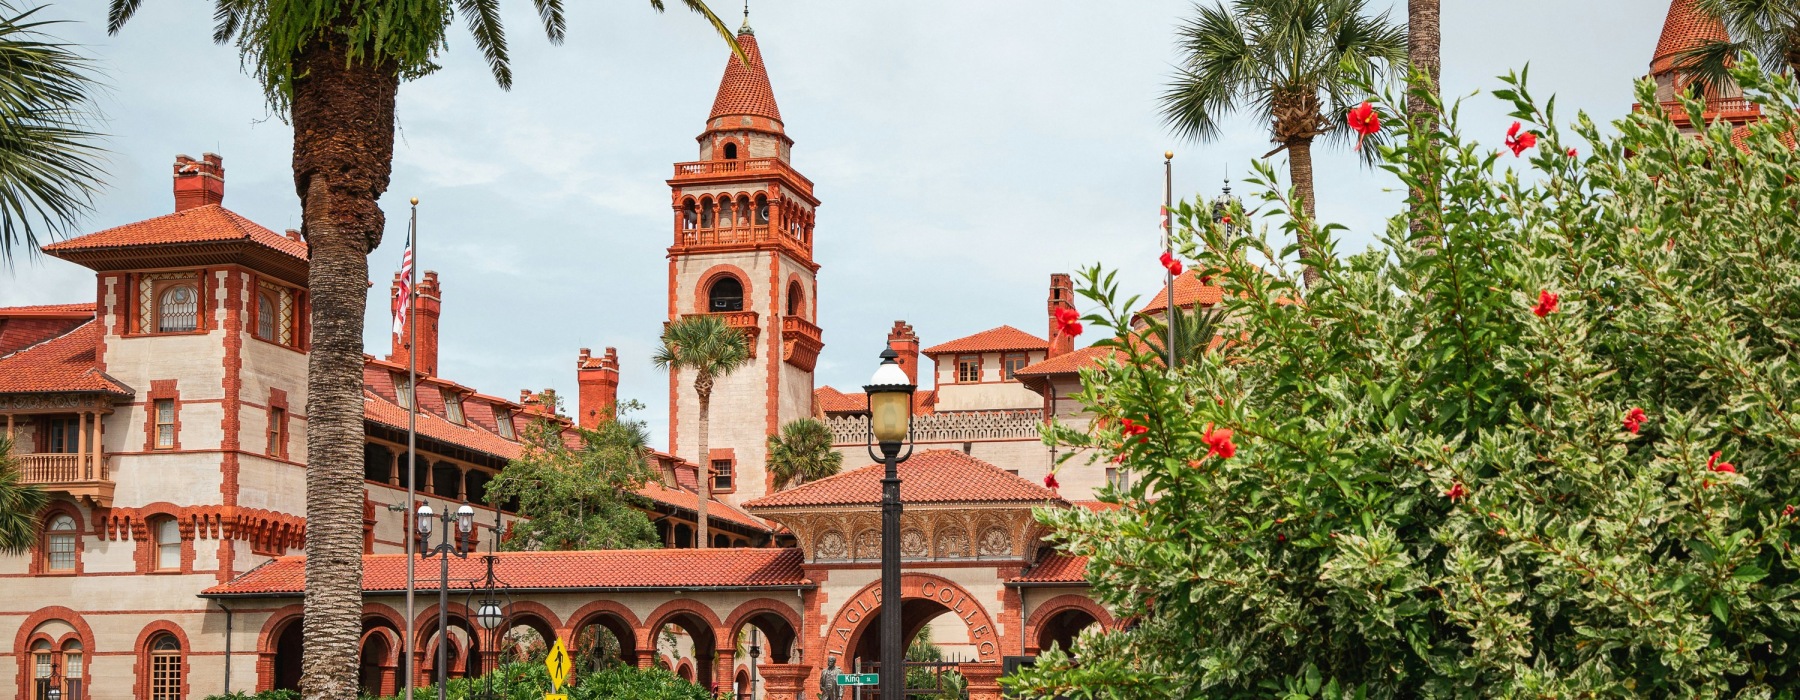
(73, 310)
(1004, 327)
(841, 473)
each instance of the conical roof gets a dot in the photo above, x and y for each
(1687, 27)
(745, 90)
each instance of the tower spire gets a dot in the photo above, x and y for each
(745, 27)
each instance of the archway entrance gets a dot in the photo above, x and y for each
(1062, 628)
(962, 628)
(289, 646)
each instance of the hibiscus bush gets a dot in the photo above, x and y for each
(1543, 446)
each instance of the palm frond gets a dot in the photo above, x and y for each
(20, 504)
(119, 13)
(49, 157)
(699, 7)
(701, 343)
(1709, 64)
(550, 12)
(483, 17)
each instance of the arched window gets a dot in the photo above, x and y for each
(168, 545)
(73, 668)
(690, 216)
(726, 217)
(730, 151)
(726, 294)
(796, 299)
(59, 544)
(165, 668)
(265, 317)
(762, 210)
(177, 309)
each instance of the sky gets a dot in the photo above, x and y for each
(963, 151)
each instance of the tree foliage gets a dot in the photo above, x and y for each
(20, 504)
(802, 453)
(530, 681)
(579, 497)
(49, 157)
(1437, 484)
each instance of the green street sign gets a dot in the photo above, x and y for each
(859, 679)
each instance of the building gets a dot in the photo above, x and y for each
(166, 414)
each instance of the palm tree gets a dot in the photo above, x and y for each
(1293, 63)
(333, 69)
(1193, 334)
(20, 504)
(802, 453)
(49, 165)
(1423, 40)
(1767, 29)
(704, 345)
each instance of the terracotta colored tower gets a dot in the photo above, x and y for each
(1687, 28)
(743, 233)
(431, 306)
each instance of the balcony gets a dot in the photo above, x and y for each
(742, 237)
(746, 322)
(732, 169)
(800, 342)
(74, 474)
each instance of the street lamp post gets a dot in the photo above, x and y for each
(54, 691)
(890, 394)
(755, 652)
(452, 544)
(491, 612)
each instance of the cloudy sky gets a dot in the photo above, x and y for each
(963, 150)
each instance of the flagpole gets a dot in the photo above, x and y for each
(412, 427)
(1169, 247)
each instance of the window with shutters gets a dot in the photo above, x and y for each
(453, 408)
(403, 391)
(503, 419)
(277, 432)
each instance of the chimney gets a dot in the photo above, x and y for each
(598, 379)
(1062, 296)
(199, 182)
(904, 341)
(426, 315)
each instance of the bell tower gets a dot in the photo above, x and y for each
(743, 233)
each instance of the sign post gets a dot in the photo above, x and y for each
(557, 663)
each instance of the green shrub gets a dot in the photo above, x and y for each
(1438, 491)
(530, 681)
(264, 695)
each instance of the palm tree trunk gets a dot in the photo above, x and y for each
(1423, 40)
(343, 116)
(1300, 171)
(705, 460)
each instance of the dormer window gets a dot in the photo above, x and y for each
(503, 419)
(403, 391)
(453, 408)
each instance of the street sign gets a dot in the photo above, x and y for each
(859, 679)
(557, 663)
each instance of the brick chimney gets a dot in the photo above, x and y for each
(904, 341)
(430, 306)
(1062, 296)
(598, 379)
(199, 182)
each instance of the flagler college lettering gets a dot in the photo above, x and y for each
(854, 619)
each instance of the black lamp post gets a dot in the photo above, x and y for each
(452, 544)
(890, 394)
(491, 612)
(54, 691)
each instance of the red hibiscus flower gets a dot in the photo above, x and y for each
(1170, 263)
(1050, 481)
(1456, 492)
(1788, 511)
(1714, 465)
(1066, 322)
(1226, 219)
(1519, 142)
(1573, 153)
(1364, 121)
(1219, 443)
(1129, 428)
(1546, 303)
(1634, 419)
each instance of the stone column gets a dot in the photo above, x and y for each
(394, 470)
(100, 446)
(724, 670)
(984, 680)
(787, 681)
(84, 469)
(646, 658)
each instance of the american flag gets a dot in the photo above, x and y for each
(403, 296)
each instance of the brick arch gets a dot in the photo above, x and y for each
(427, 619)
(531, 609)
(782, 639)
(144, 538)
(58, 507)
(1050, 608)
(713, 274)
(268, 638)
(396, 646)
(141, 651)
(384, 613)
(852, 620)
(27, 632)
(807, 302)
(624, 626)
(657, 618)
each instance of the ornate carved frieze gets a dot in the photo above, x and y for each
(952, 426)
(939, 534)
(49, 403)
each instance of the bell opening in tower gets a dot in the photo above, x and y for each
(727, 294)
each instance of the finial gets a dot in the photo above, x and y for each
(1168, 155)
(745, 27)
(415, 201)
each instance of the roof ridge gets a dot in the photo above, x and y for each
(47, 341)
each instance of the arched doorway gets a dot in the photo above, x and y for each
(926, 600)
(290, 644)
(1059, 620)
(605, 635)
(1062, 628)
(375, 662)
(683, 630)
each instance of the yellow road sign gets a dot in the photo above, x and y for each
(558, 665)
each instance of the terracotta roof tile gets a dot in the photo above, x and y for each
(49, 310)
(745, 90)
(1188, 290)
(1069, 362)
(378, 409)
(589, 570)
(1056, 568)
(1686, 27)
(830, 400)
(933, 476)
(690, 501)
(64, 363)
(24, 326)
(999, 339)
(204, 224)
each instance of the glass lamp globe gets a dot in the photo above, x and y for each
(489, 614)
(424, 520)
(465, 518)
(890, 400)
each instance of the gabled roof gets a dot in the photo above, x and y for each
(204, 224)
(65, 363)
(1189, 290)
(1055, 568)
(378, 409)
(598, 570)
(24, 326)
(933, 476)
(830, 400)
(745, 90)
(1000, 339)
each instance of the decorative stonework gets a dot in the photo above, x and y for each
(995, 542)
(44, 403)
(952, 543)
(913, 544)
(957, 426)
(831, 545)
(927, 534)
